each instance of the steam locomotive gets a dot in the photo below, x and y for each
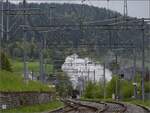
(75, 94)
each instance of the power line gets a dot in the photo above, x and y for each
(74, 0)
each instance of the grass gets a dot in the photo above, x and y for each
(10, 81)
(35, 108)
(17, 66)
(145, 103)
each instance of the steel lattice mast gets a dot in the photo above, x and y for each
(1, 29)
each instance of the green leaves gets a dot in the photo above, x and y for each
(93, 90)
(64, 86)
(125, 88)
(4, 62)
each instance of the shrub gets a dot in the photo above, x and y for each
(111, 87)
(93, 90)
(4, 62)
(147, 87)
(125, 88)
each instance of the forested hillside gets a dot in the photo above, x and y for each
(84, 41)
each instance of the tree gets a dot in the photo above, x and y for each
(4, 61)
(64, 85)
(93, 90)
(125, 88)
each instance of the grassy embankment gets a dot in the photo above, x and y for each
(145, 103)
(13, 81)
(35, 108)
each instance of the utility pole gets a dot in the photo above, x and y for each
(42, 49)
(24, 17)
(143, 62)
(2, 30)
(42, 74)
(42, 63)
(7, 21)
(88, 75)
(134, 73)
(94, 76)
(2, 33)
(51, 16)
(125, 8)
(24, 44)
(149, 8)
(104, 81)
(116, 91)
(116, 95)
(7, 27)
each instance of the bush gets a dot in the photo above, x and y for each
(125, 88)
(93, 90)
(147, 87)
(64, 86)
(4, 62)
(111, 87)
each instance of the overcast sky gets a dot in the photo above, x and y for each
(136, 8)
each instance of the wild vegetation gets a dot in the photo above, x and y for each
(64, 86)
(15, 82)
(57, 45)
(35, 108)
(11, 78)
(4, 62)
(125, 89)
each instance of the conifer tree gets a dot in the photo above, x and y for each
(4, 62)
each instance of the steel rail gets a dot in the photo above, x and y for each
(107, 106)
(123, 107)
(82, 105)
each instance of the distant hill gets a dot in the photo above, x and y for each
(55, 39)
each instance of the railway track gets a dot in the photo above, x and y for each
(115, 107)
(77, 106)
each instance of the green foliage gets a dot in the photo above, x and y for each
(64, 86)
(4, 62)
(125, 88)
(70, 14)
(147, 84)
(145, 103)
(32, 66)
(147, 87)
(93, 90)
(89, 90)
(35, 108)
(111, 86)
(12, 82)
(114, 66)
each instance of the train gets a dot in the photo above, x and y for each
(75, 94)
